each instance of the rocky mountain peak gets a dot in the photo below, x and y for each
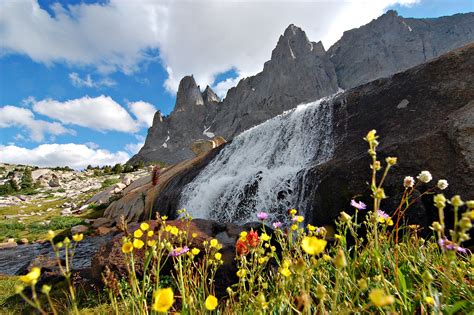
(188, 94)
(209, 96)
(292, 44)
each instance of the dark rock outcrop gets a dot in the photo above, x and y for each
(424, 116)
(391, 44)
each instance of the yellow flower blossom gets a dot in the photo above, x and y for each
(138, 243)
(265, 237)
(168, 228)
(174, 231)
(127, 247)
(211, 302)
(78, 237)
(312, 228)
(326, 257)
(164, 218)
(243, 235)
(429, 300)
(379, 298)
(144, 226)
(150, 233)
(51, 235)
(151, 243)
(163, 299)
(194, 235)
(371, 136)
(218, 256)
(294, 227)
(299, 218)
(138, 233)
(293, 211)
(313, 245)
(214, 243)
(32, 277)
(241, 273)
(285, 272)
(195, 251)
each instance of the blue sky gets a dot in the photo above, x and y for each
(80, 80)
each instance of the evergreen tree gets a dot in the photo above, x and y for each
(27, 179)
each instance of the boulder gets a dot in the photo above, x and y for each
(54, 181)
(101, 222)
(78, 229)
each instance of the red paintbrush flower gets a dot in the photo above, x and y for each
(241, 247)
(252, 238)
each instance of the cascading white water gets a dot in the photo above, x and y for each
(262, 168)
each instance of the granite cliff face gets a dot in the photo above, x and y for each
(170, 137)
(302, 71)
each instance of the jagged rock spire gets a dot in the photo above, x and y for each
(188, 94)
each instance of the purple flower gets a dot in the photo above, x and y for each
(448, 245)
(277, 225)
(178, 251)
(262, 216)
(382, 215)
(358, 205)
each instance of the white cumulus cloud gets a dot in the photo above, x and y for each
(143, 111)
(12, 116)
(100, 113)
(77, 156)
(204, 37)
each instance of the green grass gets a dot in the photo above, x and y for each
(110, 181)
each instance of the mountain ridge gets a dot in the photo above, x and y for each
(302, 71)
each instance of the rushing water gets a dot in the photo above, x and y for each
(15, 260)
(263, 168)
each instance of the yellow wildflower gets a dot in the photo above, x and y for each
(45, 289)
(163, 299)
(379, 298)
(194, 235)
(127, 247)
(218, 256)
(389, 221)
(285, 272)
(371, 136)
(429, 300)
(243, 235)
(174, 230)
(262, 260)
(144, 226)
(273, 248)
(51, 235)
(312, 228)
(214, 243)
(293, 211)
(168, 228)
(78, 237)
(340, 259)
(265, 237)
(241, 273)
(195, 251)
(313, 245)
(137, 243)
(211, 303)
(31, 277)
(326, 257)
(294, 227)
(164, 218)
(151, 243)
(150, 233)
(299, 218)
(138, 233)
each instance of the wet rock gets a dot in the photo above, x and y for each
(79, 229)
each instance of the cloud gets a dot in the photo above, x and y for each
(143, 111)
(100, 113)
(12, 116)
(77, 81)
(203, 38)
(77, 156)
(222, 87)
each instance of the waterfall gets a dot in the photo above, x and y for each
(261, 170)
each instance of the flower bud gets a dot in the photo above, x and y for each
(470, 204)
(465, 223)
(440, 201)
(380, 193)
(320, 291)
(427, 276)
(456, 201)
(340, 259)
(45, 289)
(391, 161)
(437, 226)
(362, 283)
(345, 217)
